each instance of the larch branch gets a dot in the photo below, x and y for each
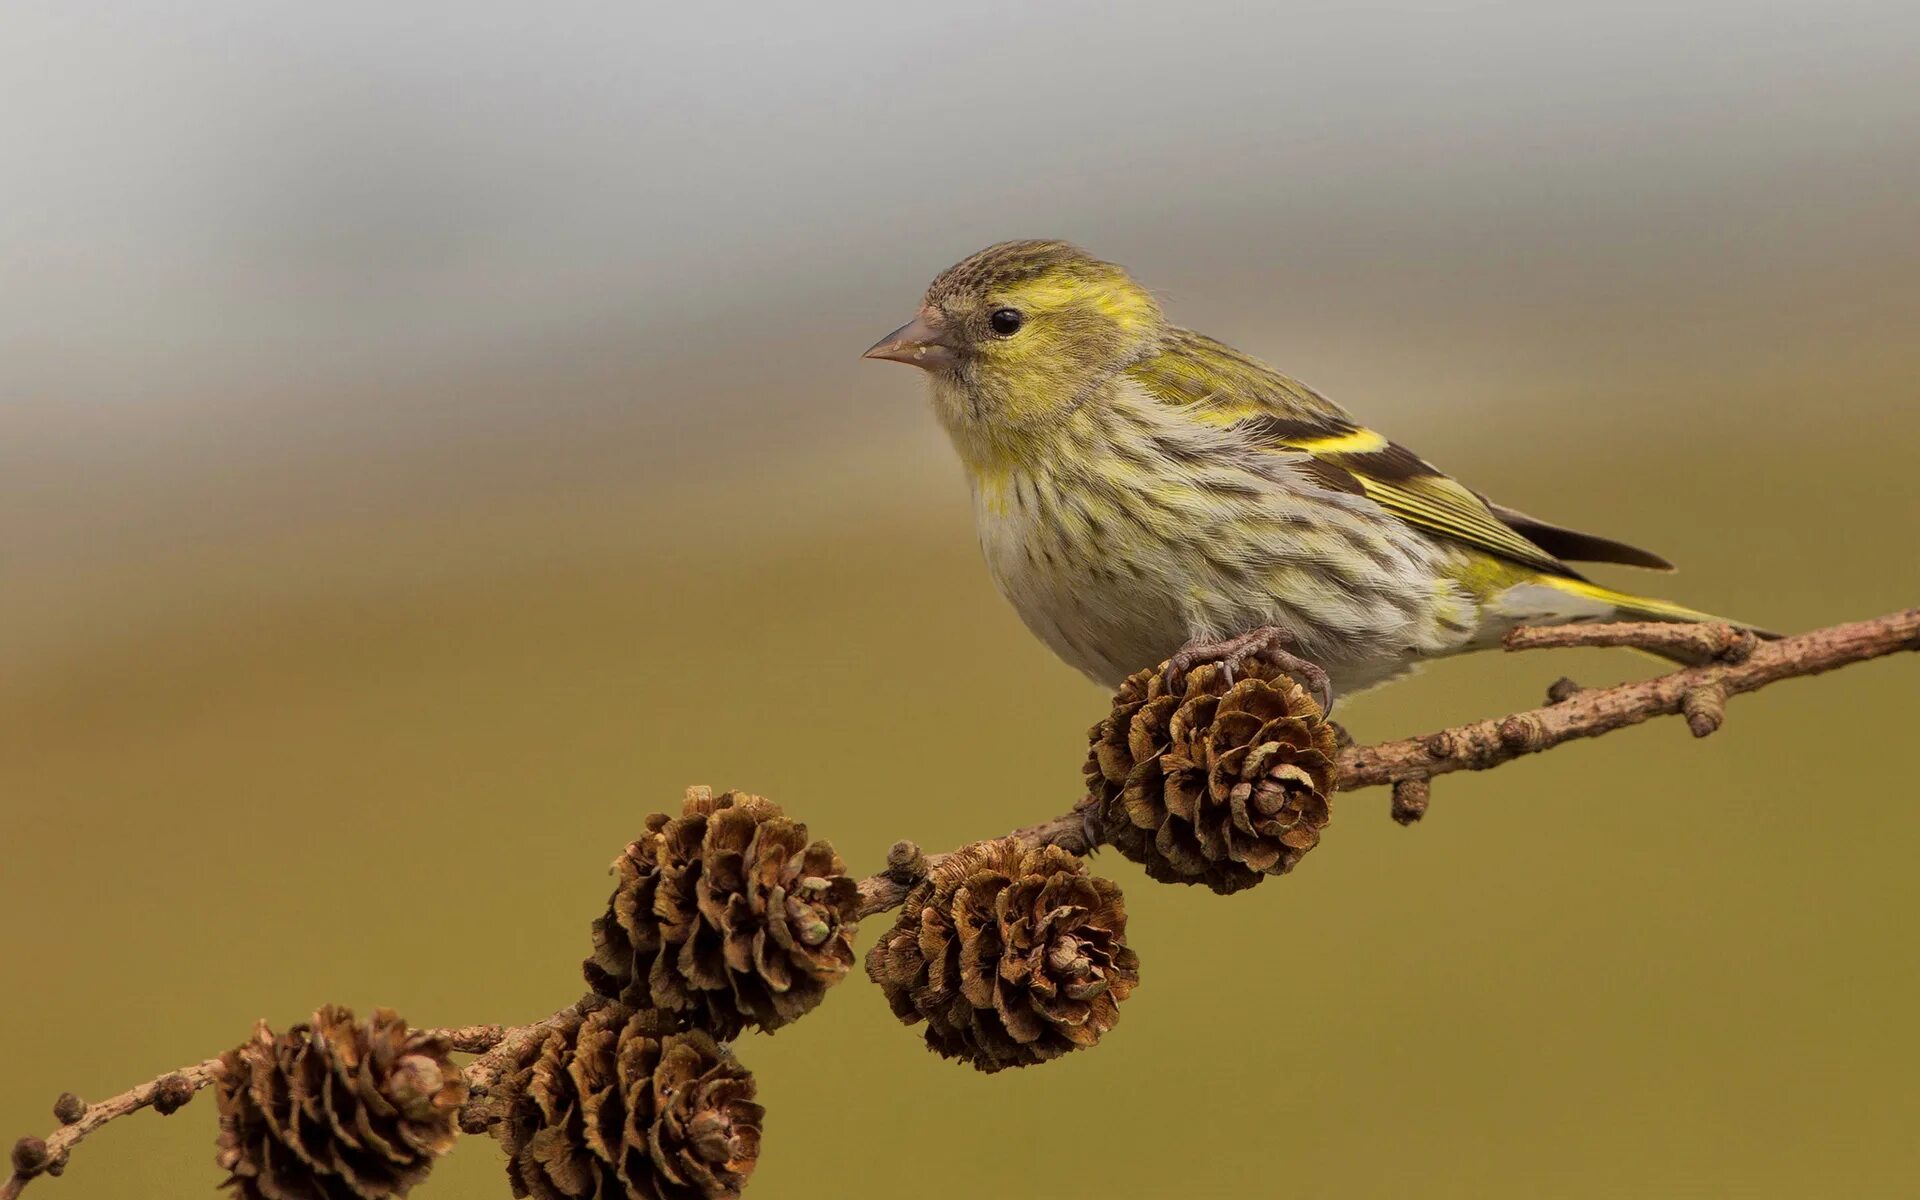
(1698, 693)
(166, 1093)
(1736, 662)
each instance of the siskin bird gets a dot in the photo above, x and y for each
(1144, 492)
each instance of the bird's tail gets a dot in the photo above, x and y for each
(1625, 606)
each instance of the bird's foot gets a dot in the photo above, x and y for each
(1268, 643)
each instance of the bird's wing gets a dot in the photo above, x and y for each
(1573, 545)
(1223, 387)
(1220, 385)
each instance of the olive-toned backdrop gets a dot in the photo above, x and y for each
(427, 444)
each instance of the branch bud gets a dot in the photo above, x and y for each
(171, 1094)
(1705, 708)
(1521, 733)
(905, 863)
(1410, 798)
(30, 1157)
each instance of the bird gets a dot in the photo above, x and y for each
(1145, 494)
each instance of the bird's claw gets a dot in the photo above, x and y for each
(1267, 643)
(1310, 676)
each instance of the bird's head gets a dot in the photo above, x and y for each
(1024, 331)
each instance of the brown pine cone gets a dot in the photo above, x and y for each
(336, 1110)
(1214, 783)
(1012, 956)
(727, 915)
(612, 1105)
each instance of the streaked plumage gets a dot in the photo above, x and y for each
(1138, 487)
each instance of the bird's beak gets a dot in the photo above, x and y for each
(921, 342)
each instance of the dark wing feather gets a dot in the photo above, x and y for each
(1575, 546)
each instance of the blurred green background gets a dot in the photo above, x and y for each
(430, 439)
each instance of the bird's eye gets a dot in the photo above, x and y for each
(1005, 322)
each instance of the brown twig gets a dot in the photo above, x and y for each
(471, 1039)
(1737, 663)
(48, 1156)
(1715, 642)
(1700, 693)
(906, 865)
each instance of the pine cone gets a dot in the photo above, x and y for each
(726, 914)
(610, 1105)
(1214, 783)
(336, 1110)
(1012, 956)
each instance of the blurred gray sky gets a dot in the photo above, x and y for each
(250, 199)
(242, 239)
